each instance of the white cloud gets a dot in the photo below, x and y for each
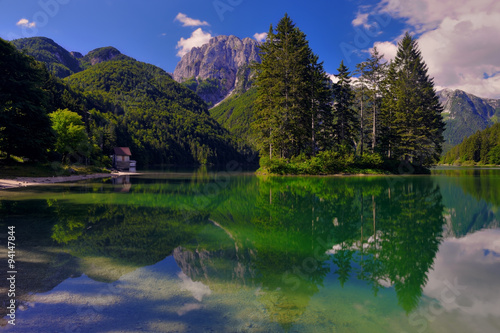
(458, 40)
(260, 37)
(361, 19)
(197, 39)
(190, 22)
(388, 49)
(25, 23)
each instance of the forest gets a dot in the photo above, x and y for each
(121, 102)
(305, 125)
(372, 119)
(481, 148)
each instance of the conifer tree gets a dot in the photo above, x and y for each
(24, 123)
(360, 95)
(413, 125)
(373, 73)
(345, 122)
(319, 105)
(290, 93)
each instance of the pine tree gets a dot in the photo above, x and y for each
(290, 93)
(24, 123)
(345, 120)
(374, 71)
(411, 109)
(360, 96)
(319, 99)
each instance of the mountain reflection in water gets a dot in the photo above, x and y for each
(291, 245)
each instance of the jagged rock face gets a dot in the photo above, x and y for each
(223, 63)
(465, 114)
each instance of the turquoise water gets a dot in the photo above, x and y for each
(232, 252)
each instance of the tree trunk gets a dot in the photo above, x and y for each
(362, 134)
(374, 133)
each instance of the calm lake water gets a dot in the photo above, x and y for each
(219, 252)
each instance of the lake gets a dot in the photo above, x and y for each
(232, 252)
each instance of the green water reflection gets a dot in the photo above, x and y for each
(290, 240)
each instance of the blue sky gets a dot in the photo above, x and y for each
(458, 38)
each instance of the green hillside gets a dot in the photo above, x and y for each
(122, 102)
(236, 113)
(162, 121)
(59, 61)
(465, 114)
(481, 148)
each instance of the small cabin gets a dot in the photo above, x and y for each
(122, 161)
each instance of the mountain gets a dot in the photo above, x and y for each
(61, 62)
(58, 60)
(481, 148)
(236, 113)
(102, 54)
(465, 114)
(161, 121)
(218, 68)
(125, 102)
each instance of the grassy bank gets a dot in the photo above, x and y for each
(333, 163)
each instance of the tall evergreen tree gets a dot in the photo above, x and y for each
(360, 96)
(279, 82)
(25, 128)
(373, 73)
(291, 93)
(411, 109)
(319, 99)
(345, 122)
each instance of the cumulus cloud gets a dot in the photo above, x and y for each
(388, 49)
(190, 22)
(260, 37)
(361, 19)
(457, 39)
(197, 39)
(25, 23)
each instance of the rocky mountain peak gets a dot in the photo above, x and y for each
(217, 68)
(76, 54)
(101, 54)
(465, 114)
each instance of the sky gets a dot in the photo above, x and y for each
(459, 39)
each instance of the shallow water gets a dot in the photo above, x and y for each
(232, 252)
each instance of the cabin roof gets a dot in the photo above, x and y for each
(123, 151)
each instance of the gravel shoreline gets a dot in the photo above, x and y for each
(37, 181)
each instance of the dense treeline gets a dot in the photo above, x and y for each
(236, 113)
(28, 94)
(58, 60)
(121, 102)
(481, 148)
(392, 109)
(162, 121)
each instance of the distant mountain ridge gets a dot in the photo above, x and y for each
(60, 61)
(465, 114)
(221, 69)
(218, 68)
(57, 59)
(125, 102)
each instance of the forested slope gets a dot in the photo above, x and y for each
(481, 148)
(162, 121)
